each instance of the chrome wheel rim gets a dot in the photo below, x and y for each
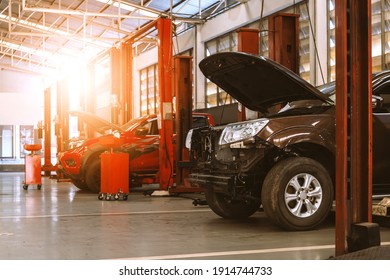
(303, 195)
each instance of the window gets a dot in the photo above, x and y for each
(149, 90)
(215, 96)
(6, 141)
(304, 41)
(380, 36)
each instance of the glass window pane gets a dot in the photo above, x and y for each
(211, 47)
(6, 141)
(214, 95)
(331, 41)
(224, 44)
(149, 90)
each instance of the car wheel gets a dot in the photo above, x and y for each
(228, 208)
(92, 176)
(297, 194)
(80, 184)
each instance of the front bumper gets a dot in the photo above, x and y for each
(205, 180)
(69, 164)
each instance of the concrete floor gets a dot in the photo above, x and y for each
(61, 222)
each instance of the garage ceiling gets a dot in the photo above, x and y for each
(40, 36)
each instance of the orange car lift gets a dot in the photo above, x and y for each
(354, 125)
(122, 60)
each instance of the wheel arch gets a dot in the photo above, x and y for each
(316, 152)
(89, 156)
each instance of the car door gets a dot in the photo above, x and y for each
(381, 136)
(145, 148)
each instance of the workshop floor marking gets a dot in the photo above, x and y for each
(243, 252)
(106, 214)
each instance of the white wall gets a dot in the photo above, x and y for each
(21, 98)
(21, 103)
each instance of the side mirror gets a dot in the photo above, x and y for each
(376, 102)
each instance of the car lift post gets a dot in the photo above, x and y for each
(182, 88)
(284, 40)
(62, 118)
(354, 230)
(115, 83)
(248, 41)
(165, 69)
(165, 66)
(47, 165)
(122, 69)
(126, 79)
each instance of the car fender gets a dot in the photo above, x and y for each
(303, 134)
(90, 153)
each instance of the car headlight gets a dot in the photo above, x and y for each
(241, 131)
(188, 139)
(75, 144)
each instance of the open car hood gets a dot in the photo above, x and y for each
(257, 82)
(95, 122)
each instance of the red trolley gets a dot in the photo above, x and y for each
(32, 166)
(114, 171)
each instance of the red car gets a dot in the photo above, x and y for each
(81, 162)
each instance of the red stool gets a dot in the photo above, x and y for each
(32, 166)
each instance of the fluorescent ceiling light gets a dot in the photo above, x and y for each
(124, 6)
(40, 27)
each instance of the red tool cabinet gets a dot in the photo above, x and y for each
(32, 166)
(114, 180)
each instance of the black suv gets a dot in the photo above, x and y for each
(284, 160)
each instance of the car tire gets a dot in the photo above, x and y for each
(80, 184)
(92, 176)
(225, 207)
(297, 194)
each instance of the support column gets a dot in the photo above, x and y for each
(165, 66)
(248, 41)
(353, 121)
(342, 88)
(115, 84)
(62, 119)
(284, 40)
(182, 87)
(47, 165)
(126, 80)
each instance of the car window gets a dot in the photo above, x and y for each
(384, 93)
(127, 126)
(199, 121)
(150, 127)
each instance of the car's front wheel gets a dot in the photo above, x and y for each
(92, 176)
(230, 208)
(297, 194)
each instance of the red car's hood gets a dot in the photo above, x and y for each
(95, 122)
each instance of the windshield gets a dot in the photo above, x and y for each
(327, 89)
(127, 126)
